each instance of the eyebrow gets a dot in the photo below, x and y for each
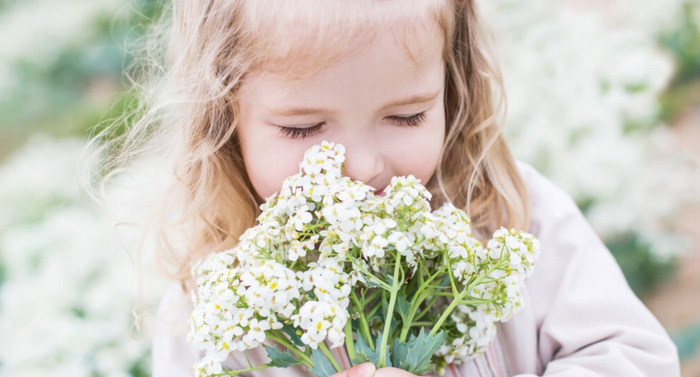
(419, 98)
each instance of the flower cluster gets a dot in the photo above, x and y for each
(495, 300)
(327, 249)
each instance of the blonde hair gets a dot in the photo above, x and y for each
(190, 110)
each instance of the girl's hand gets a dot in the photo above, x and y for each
(369, 370)
(362, 370)
(395, 372)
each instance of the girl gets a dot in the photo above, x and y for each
(409, 87)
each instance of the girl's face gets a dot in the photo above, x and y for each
(384, 103)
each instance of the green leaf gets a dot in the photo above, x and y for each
(402, 305)
(291, 331)
(322, 366)
(415, 355)
(280, 359)
(372, 284)
(363, 353)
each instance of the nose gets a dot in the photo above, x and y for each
(364, 161)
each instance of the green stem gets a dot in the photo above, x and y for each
(418, 297)
(349, 341)
(371, 276)
(364, 326)
(449, 310)
(425, 285)
(369, 300)
(283, 341)
(372, 296)
(374, 310)
(462, 294)
(247, 359)
(329, 356)
(390, 310)
(237, 372)
(450, 275)
(427, 308)
(421, 323)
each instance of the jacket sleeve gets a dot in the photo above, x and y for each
(172, 355)
(589, 322)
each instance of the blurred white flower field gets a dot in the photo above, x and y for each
(68, 285)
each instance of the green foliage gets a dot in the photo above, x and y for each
(688, 341)
(293, 336)
(322, 367)
(676, 99)
(280, 359)
(585, 204)
(416, 353)
(363, 352)
(403, 307)
(683, 42)
(70, 92)
(117, 118)
(142, 368)
(641, 267)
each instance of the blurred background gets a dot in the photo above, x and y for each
(604, 98)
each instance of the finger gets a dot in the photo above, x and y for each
(393, 372)
(362, 370)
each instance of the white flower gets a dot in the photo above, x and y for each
(407, 195)
(321, 320)
(208, 366)
(235, 306)
(328, 281)
(299, 249)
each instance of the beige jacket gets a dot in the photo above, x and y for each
(580, 316)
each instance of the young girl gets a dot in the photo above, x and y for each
(408, 87)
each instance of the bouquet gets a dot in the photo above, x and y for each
(331, 264)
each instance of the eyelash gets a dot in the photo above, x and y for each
(409, 121)
(304, 132)
(301, 133)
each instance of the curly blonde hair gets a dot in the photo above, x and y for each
(189, 109)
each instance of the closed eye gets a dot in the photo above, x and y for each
(301, 132)
(305, 132)
(408, 121)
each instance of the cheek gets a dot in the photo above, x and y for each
(423, 163)
(268, 159)
(267, 168)
(421, 155)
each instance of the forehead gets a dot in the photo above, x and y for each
(298, 38)
(377, 77)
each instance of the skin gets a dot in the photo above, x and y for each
(369, 370)
(384, 103)
(370, 101)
